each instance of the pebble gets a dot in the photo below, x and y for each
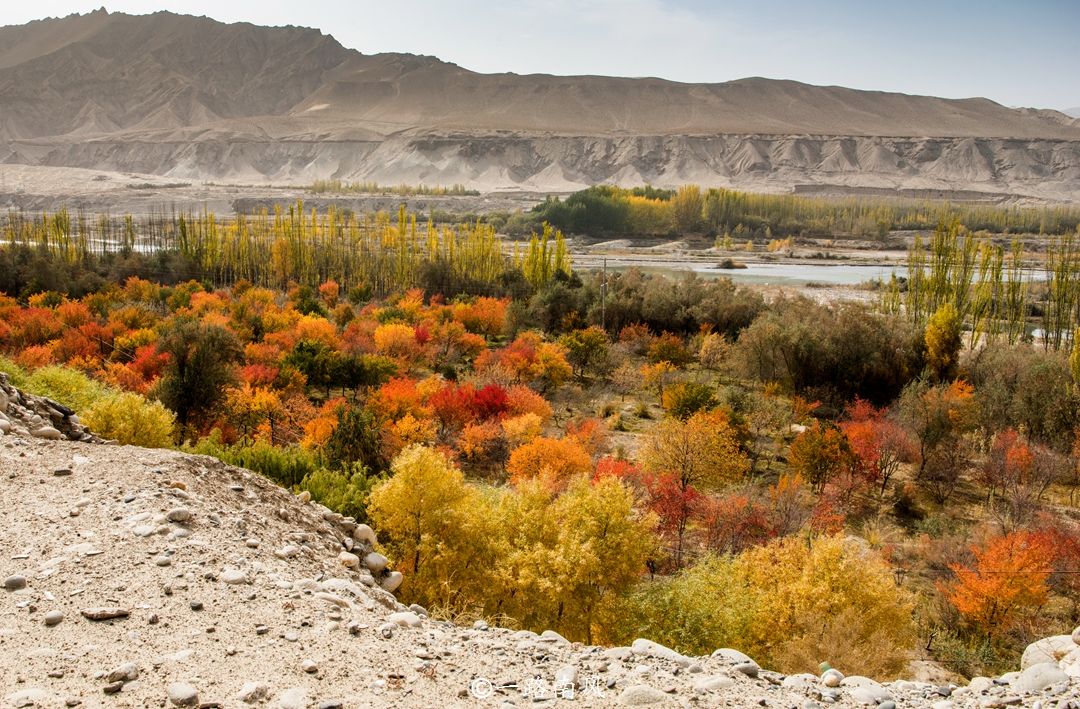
(293, 698)
(349, 560)
(832, 678)
(54, 618)
(196, 605)
(105, 613)
(182, 694)
(178, 514)
(127, 672)
(376, 562)
(287, 552)
(1076, 635)
(112, 687)
(406, 619)
(331, 704)
(253, 692)
(234, 577)
(252, 543)
(310, 666)
(1038, 677)
(62, 472)
(48, 433)
(14, 583)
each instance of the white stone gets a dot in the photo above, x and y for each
(1050, 649)
(715, 683)
(639, 695)
(48, 433)
(1038, 677)
(294, 698)
(182, 694)
(391, 581)
(234, 577)
(253, 692)
(349, 560)
(127, 672)
(376, 562)
(648, 648)
(832, 678)
(406, 619)
(364, 533)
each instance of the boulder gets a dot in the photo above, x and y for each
(1039, 676)
(1051, 649)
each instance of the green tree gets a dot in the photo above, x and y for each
(199, 369)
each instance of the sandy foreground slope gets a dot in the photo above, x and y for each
(230, 591)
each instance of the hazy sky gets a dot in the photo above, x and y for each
(1017, 52)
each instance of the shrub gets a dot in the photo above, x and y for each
(343, 492)
(285, 466)
(131, 420)
(684, 399)
(68, 386)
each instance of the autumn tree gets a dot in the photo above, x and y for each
(943, 343)
(939, 417)
(820, 453)
(878, 443)
(433, 526)
(552, 461)
(700, 453)
(131, 420)
(1007, 579)
(563, 560)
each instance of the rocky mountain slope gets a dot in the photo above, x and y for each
(136, 577)
(191, 98)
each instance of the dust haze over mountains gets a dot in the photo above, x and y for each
(189, 98)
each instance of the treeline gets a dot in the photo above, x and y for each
(402, 190)
(374, 254)
(996, 293)
(690, 209)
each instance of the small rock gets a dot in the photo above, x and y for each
(364, 533)
(1076, 636)
(310, 666)
(1038, 677)
(750, 669)
(391, 581)
(294, 698)
(48, 433)
(127, 672)
(178, 514)
(233, 577)
(331, 704)
(62, 472)
(349, 560)
(182, 694)
(252, 543)
(832, 678)
(641, 695)
(648, 648)
(112, 687)
(14, 583)
(196, 605)
(376, 562)
(303, 496)
(287, 552)
(54, 618)
(386, 630)
(714, 683)
(406, 619)
(253, 692)
(105, 613)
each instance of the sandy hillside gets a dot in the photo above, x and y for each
(139, 578)
(190, 98)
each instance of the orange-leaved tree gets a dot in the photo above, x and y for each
(1007, 578)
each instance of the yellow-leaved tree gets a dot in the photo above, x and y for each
(563, 561)
(434, 527)
(830, 600)
(131, 420)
